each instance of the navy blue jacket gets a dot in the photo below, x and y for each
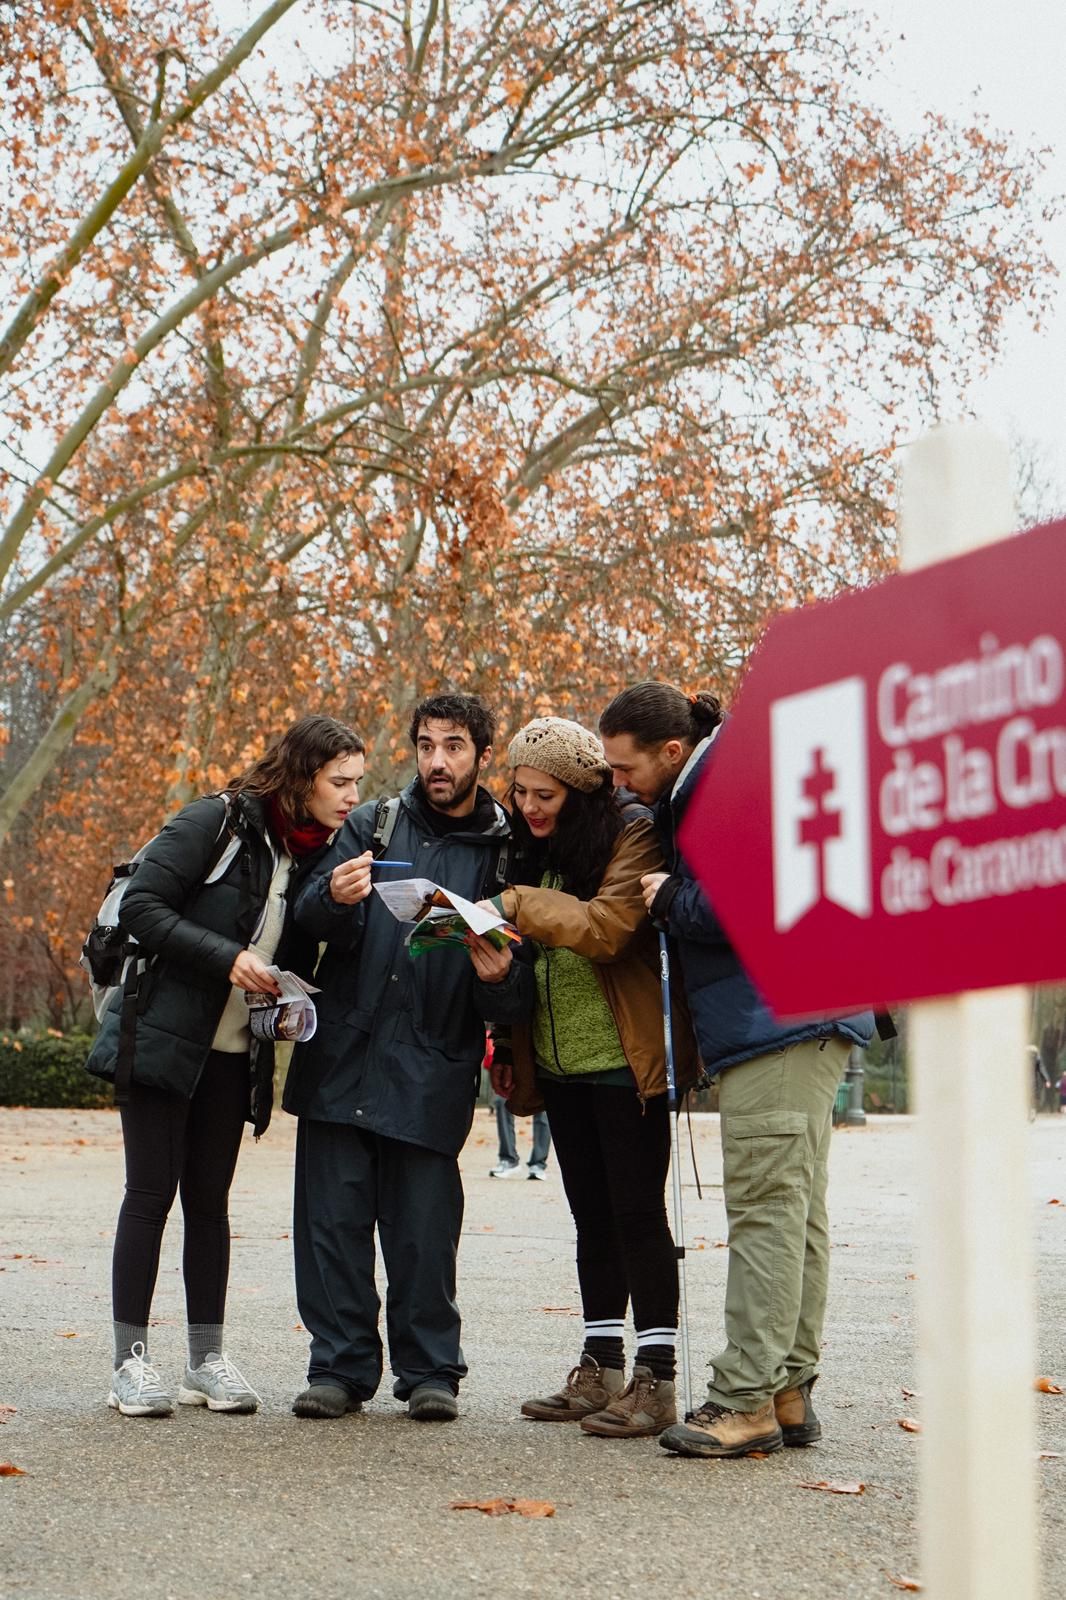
(732, 1022)
(401, 1039)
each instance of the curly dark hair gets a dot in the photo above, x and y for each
(583, 842)
(467, 711)
(288, 769)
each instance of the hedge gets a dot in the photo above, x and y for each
(48, 1069)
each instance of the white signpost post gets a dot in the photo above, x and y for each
(971, 1085)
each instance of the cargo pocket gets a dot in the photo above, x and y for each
(763, 1154)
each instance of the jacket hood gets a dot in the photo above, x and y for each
(689, 776)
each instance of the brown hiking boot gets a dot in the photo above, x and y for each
(795, 1415)
(644, 1408)
(714, 1431)
(589, 1388)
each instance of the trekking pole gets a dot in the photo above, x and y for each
(675, 1169)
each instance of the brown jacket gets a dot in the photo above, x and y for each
(614, 932)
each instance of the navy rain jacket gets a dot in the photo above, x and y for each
(401, 1039)
(731, 1020)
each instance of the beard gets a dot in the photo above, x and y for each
(450, 795)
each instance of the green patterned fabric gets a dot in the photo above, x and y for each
(574, 1033)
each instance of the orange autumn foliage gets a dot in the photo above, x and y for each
(532, 349)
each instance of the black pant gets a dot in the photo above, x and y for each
(613, 1155)
(174, 1143)
(347, 1182)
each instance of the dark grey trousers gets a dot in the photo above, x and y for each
(347, 1183)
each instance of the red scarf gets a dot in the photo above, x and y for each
(298, 838)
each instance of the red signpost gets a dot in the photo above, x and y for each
(884, 817)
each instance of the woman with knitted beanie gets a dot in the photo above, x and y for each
(592, 1054)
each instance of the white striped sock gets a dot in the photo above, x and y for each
(646, 1336)
(613, 1329)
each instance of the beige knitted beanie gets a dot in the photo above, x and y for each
(564, 749)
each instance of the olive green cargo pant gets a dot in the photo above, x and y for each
(777, 1119)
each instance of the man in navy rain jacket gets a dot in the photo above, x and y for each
(777, 1085)
(385, 1090)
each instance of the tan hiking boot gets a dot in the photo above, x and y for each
(795, 1415)
(589, 1388)
(714, 1431)
(644, 1408)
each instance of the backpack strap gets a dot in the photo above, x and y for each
(385, 819)
(501, 872)
(127, 1030)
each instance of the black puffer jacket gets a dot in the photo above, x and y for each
(196, 930)
(400, 1039)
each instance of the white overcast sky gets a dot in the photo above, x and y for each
(1007, 59)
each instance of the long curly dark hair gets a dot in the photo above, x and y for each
(578, 851)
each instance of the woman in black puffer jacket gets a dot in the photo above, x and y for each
(211, 903)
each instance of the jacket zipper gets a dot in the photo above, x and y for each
(551, 1012)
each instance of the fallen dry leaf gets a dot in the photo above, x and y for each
(7, 1411)
(1054, 1202)
(901, 1582)
(491, 1508)
(833, 1485)
(909, 1394)
(909, 1425)
(9, 1470)
(500, 1507)
(1045, 1386)
(70, 1335)
(1041, 1455)
(533, 1508)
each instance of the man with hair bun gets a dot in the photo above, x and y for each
(777, 1084)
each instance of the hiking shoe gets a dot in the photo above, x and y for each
(644, 1408)
(217, 1384)
(136, 1390)
(325, 1400)
(795, 1415)
(428, 1402)
(589, 1388)
(505, 1169)
(714, 1430)
(537, 1171)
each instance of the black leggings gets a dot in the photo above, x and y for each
(613, 1156)
(174, 1143)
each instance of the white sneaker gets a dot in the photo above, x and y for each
(136, 1390)
(537, 1171)
(218, 1385)
(506, 1169)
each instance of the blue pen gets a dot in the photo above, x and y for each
(381, 862)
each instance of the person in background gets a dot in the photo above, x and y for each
(590, 1049)
(507, 1162)
(777, 1085)
(197, 1074)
